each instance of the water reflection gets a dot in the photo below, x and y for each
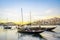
(30, 37)
(14, 35)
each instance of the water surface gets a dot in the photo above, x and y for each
(12, 34)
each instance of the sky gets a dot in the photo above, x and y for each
(10, 10)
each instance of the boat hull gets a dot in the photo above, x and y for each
(30, 32)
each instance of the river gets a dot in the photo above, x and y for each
(12, 34)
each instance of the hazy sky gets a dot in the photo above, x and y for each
(11, 9)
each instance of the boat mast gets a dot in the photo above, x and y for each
(30, 18)
(22, 15)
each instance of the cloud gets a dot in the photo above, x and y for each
(49, 11)
(14, 14)
(9, 13)
(52, 12)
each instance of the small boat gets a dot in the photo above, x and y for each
(7, 27)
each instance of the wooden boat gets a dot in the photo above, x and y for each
(35, 29)
(38, 29)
